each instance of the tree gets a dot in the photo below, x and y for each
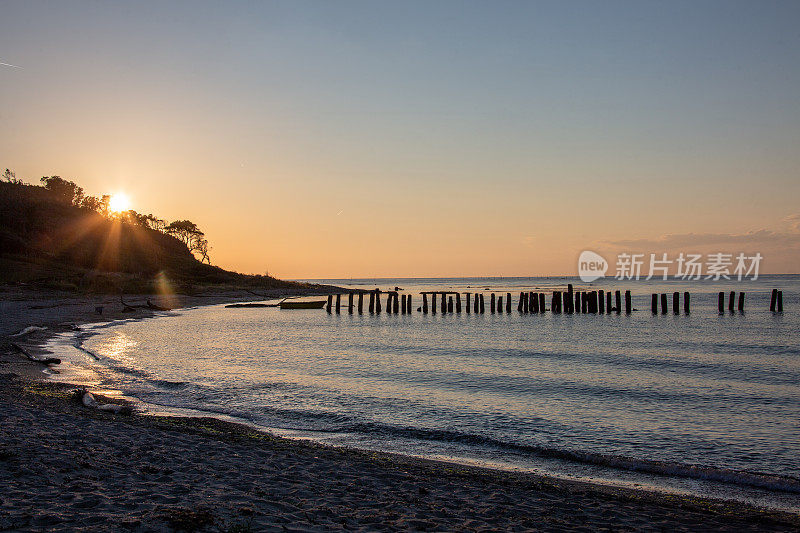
(65, 191)
(184, 231)
(156, 223)
(200, 246)
(103, 208)
(11, 177)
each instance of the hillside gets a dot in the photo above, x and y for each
(46, 241)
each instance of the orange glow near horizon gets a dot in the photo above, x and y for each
(119, 202)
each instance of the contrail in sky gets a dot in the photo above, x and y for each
(9, 65)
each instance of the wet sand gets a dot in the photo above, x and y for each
(64, 466)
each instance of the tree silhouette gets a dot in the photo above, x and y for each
(65, 191)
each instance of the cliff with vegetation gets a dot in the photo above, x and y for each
(54, 236)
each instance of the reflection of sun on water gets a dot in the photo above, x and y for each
(117, 347)
(119, 202)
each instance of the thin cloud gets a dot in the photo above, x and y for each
(9, 65)
(760, 237)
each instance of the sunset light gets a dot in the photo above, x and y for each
(119, 202)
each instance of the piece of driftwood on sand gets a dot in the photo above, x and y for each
(45, 361)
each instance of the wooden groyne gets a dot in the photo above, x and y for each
(569, 301)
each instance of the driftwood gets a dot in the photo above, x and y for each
(89, 400)
(46, 361)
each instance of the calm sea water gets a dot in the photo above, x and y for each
(703, 403)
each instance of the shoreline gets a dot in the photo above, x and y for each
(577, 503)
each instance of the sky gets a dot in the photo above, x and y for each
(381, 139)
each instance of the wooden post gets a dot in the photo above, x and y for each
(433, 303)
(773, 300)
(491, 303)
(378, 301)
(508, 303)
(467, 307)
(676, 303)
(584, 302)
(533, 302)
(483, 307)
(389, 303)
(628, 302)
(408, 302)
(458, 302)
(541, 302)
(449, 304)
(350, 303)
(618, 301)
(371, 302)
(424, 304)
(608, 302)
(338, 303)
(403, 305)
(330, 302)
(500, 304)
(555, 303)
(577, 302)
(593, 303)
(477, 297)
(360, 303)
(686, 302)
(741, 302)
(569, 300)
(731, 300)
(663, 303)
(654, 303)
(396, 302)
(522, 298)
(780, 301)
(601, 300)
(444, 303)
(721, 302)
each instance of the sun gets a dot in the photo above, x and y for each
(119, 202)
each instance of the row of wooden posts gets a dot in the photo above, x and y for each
(569, 301)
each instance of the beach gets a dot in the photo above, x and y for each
(65, 466)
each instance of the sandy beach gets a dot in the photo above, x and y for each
(65, 466)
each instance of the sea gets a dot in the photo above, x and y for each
(701, 404)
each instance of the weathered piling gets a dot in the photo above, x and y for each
(618, 301)
(360, 303)
(593, 303)
(330, 302)
(378, 301)
(403, 304)
(663, 303)
(467, 306)
(686, 302)
(424, 304)
(338, 303)
(449, 304)
(350, 303)
(444, 303)
(601, 302)
(731, 300)
(584, 302)
(676, 303)
(555, 302)
(608, 302)
(654, 303)
(571, 298)
(500, 304)
(396, 302)
(628, 308)
(408, 303)
(541, 302)
(491, 303)
(533, 302)
(482, 307)
(780, 301)
(721, 302)
(371, 302)
(740, 305)
(523, 298)
(478, 303)
(433, 303)
(458, 302)
(773, 300)
(508, 302)
(578, 307)
(389, 303)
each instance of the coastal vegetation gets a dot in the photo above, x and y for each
(54, 235)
